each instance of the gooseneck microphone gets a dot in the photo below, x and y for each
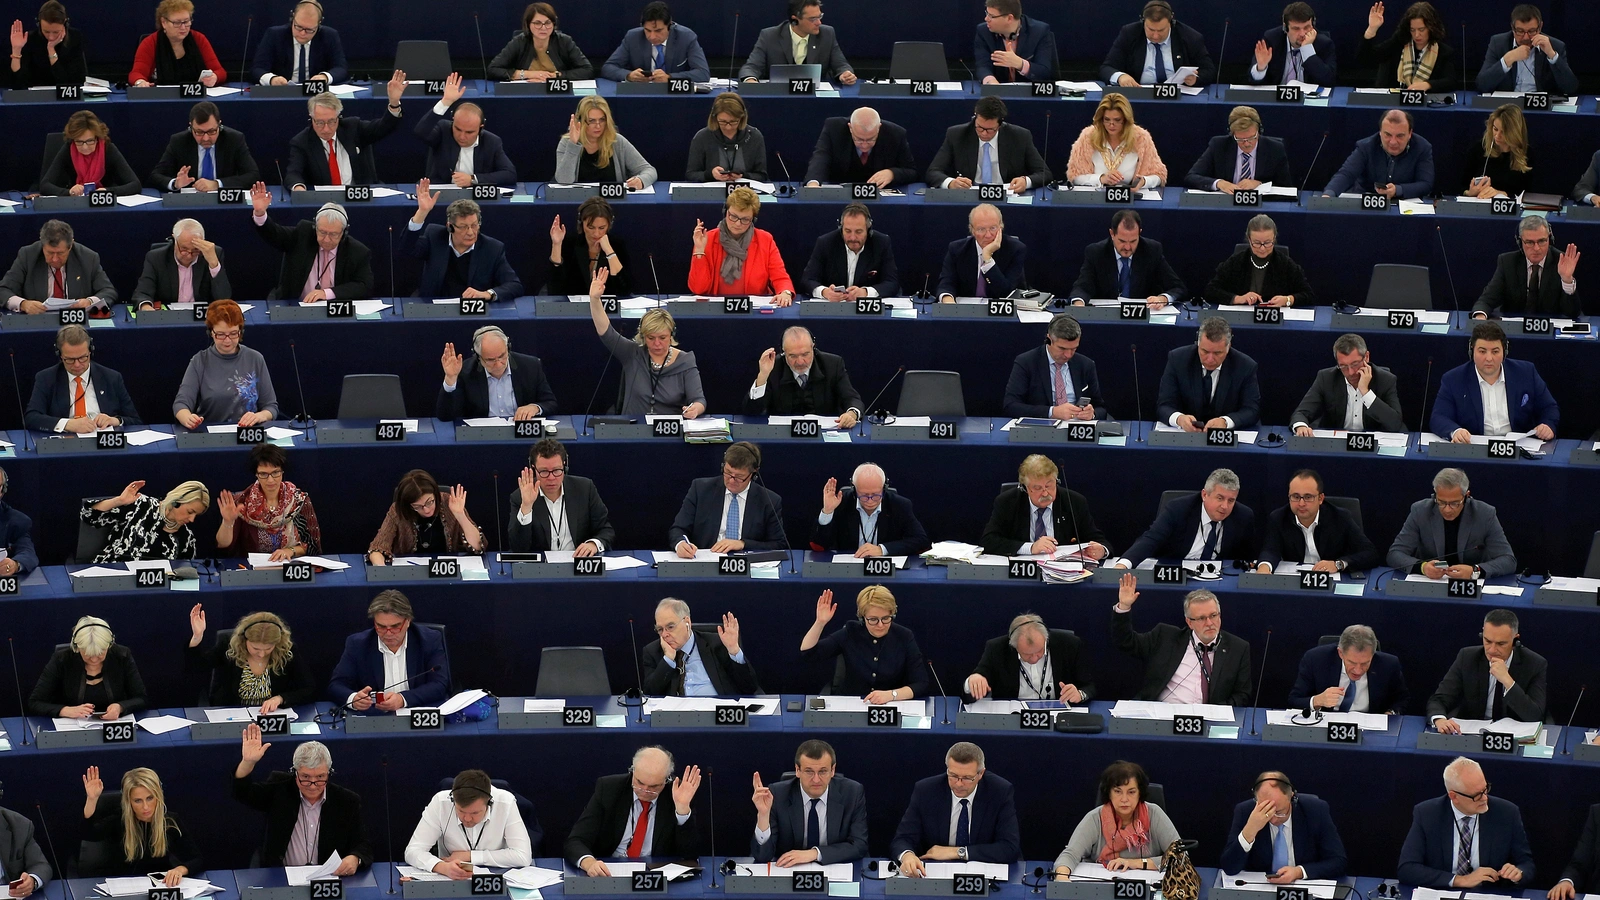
(1455, 301)
(790, 188)
(657, 279)
(388, 825)
(944, 698)
(1427, 383)
(305, 414)
(392, 294)
(868, 411)
(1306, 178)
(1568, 730)
(26, 725)
(244, 78)
(483, 58)
(499, 536)
(1077, 536)
(772, 509)
(638, 674)
(1138, 399)
(16, 384)
(733, 46)
(1221, 46)
(54, 857)
(1260, 681)
(711, 821)
(589, 408)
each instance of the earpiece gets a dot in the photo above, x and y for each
(1023, 621)
(296, 8)
(1279, 777)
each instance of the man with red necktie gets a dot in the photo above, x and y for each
(627, 816)
(335, 149)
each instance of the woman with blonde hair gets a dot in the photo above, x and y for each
(93, 676)
(592, 150)
(88, 161)
(738, 258)
(882, 661)
(140, 527)
(138, 835)
(657, 376)
(729, 148)
(175, 53)
(1498, 165)
(258, 667)
(1113, 150)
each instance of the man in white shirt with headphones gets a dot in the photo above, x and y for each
(472, 824)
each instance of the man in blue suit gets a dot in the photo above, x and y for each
(460, 150)
(728, 513)
(1210, 385)
(57, 391)
(657, 50)
(1300, 841)
(866, 519)
(301, 51)
(1466, 839)
(1396, 162)
(1296, 51)
(817, 816)
(1212, 524)
(1011, 47)
(1242, 158)
(1493, 394)
(16, 536)
(397, 664)
(983, 829)
(1352, 675)
(458, 259)
(1054, 380)
(1526, 59)
(989, 263)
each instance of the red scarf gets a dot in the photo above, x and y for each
(1115, 839)
(91, 169)
(282, 525)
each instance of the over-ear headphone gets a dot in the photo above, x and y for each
(796, 7)
(1279, 777)
(1024, 621)
(1515, 641)
(73, 640)
(1162, 5)
(854, 209)
(336, 209)
(489, 331)
(296, 8)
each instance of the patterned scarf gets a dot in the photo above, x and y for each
(1415, 66)
(282, 526)
(1116, 839)
(90, 169)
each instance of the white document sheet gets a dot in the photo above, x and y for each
(671, 556)
(298, 875)
(1001, 871)
(899, 561)
(1089, 871)
(133, 200)
(141, 438)
(1367, 721)
(1257, 881)
(85, 724)
(858, 704)
(1522, 730)
(416, 874)
(461, 701)
(1152, 709)
(163, 724)
(241, 714)
(532, 878)
(537, 705)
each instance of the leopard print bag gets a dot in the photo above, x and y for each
(1179, 880)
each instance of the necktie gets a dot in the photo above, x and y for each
(864, 155)
(1211, 385)
(1209, 550)
(801, 380)
(980, 286)
(1294, 64)
(1161, 63)
(1246, 168)
(1038, 523)
(636, 844)
(1464, 854)
(1061, 387)
(304, 52)
(661, 57)
(1498, 708)
(986, 165)
(1533, 288)
(963, 825)
(1349, 698)
(333, 164)
(1124, 276)
(59, 287)
(78, 409)
(732, 527)
(1205, 672)
(1280, 849)
(208, 169)
(813, 826)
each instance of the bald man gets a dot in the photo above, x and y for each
(859, 150)
(866, 519)
(609, 825)
(810, 382)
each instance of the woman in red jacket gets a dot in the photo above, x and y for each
(738, 258)
(176, 53)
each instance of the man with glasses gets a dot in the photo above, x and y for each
(864, 149)
(460, 150)
(1502, 679)
(988, 150)
(56, 272)
(810, 382)
(1466, 838)
(1242, 159)
(1352, 675)
(1031, 662)
(657, 50)
(173, 273)
(803, 40)
(683, 662)
(77, 396)
(866, 517)
(950, 820)
(1312, 532)
(1127, 264)
(321, 261)
(458, 259)
(551, 510)
(1039, 514)
(818, 816)
(1493, 394)
(727, 514)
(301, 51)
(496, 383)
(1526, 59)
(1523, 284)
(986, 263)
(473, 824)
(397, 664)
(1288, 835)
(52, 54)
(335, 150)
(1452, 534)
(1198, 664)
(1351, 395)
(205, 156)
(1209, 525)
(623, 818)
(308, 818)
(1008, 46)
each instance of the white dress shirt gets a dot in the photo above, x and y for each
(1200, 535)
(1188, 680)
(1147, 75)
(805, 810)
(297, 48)
(1312, 556)
(1362, 687)
(395, 677)
(91, 406)
(1355, 406)
(501, 839)
(1496, 414)
(955, 815)
(560, 531)
(851, 258)
(1272, 837)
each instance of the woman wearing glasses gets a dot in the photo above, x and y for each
(227, 382)
(175, 53)
(658, 376)
(738, 258)
(729, 147)
(88, 161)
(1124, 831)
(881, 659)
(424, 521)
(257, 668)
(592, 151)
(539, 52)
(1260, 273)
(136, 836)
(270, 516)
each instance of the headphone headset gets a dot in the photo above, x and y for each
(275, 625)
(854, 209)
(296, 8)
(334, 208)
(1162, 5)
(91, 345)
(796, 7)
(1024, 621)
(1516, 641)
(1280, 778)
(489, 331)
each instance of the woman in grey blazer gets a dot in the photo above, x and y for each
(729, 148)
(1124, 831)
(539, 52)
(593, 151)
(657, 377)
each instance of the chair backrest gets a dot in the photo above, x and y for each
(1351, 505)
(444, 636)
(1167, 497)
(572, 672)
(53, 142)
(919, 61)
(931, 393)
(96, 858)
(1591, 569)
(223, 639)
(1327, 639)
(91, 539)
(424, 60)
(372, 397)
(1396, 286)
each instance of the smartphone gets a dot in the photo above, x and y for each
(377, 696)
(1578, 328)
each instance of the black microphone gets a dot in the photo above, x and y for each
(244, 57)
(392, 295)
(733, 45)
(1463, 56)
(388, 826)
(339, 711)
(1306, 178)
(1138, 401)
(1072, 511)
(656, 278)
(923, 294)
(1260, 681)
(54, 857)
(792, 187)
(1427, 383)
(305, 414)
(1455, 302)
(22, 411)
(638, 674)
(589, 409)
(1046, 154)
(711, 816)
(1567, 730)
(788, 550)
(23, 707)
(482, 57)
(499, 537)
(280, 173)
(1220, 46)
(943, 697)
(868, 411)
(971, 78)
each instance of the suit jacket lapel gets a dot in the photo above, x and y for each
(1339, 402)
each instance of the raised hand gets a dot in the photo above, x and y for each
(129, 493)
(728, 632)
(574, 133)
(260, 198)
(457, 501)
(227, 506)
(527, 489)
(699, 236)
(182, 180)
(683, 788)
(762, 797)
(450, 361)
(19, 37)
(453, 89)
(426, 198)
(1127, 590)
(1375, 18)
(93, 787)
(558, 232)
(826, 607)
(1568, 263)
(597, 284)
(396, 87)
(1263, 55)
(831, 495)
(251, 750)
(197, 624)
(769, 358)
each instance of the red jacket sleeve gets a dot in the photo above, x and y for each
(210, 58)
(704, 271)
(776, 275)
(144, 61)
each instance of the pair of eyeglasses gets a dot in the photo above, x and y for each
(961, 779)
(274, 475)
(1216, 616)
(870, 497)
(227, 335)
(87, 142)
(736, 219)
(548, 473)
(878, 620)
(1303, 498)
(1262, 245)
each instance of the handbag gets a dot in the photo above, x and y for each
(1179, 880)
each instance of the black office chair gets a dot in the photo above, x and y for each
(1351, 505)
(1397, 286)
(919, 61)
(97, 858)
(53, 145)
(224, 637)
(572, 672)
(1167, 497)
(530, 819)
(91, 539)
(1156, 794)
(444, 634)
(423, 60)
(932, 393)
(1591, 568)
(371, 397)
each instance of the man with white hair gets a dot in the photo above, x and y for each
(623, 818)
(336, 150)
(1209, 525)
(809, 382)
(496, 382)
(173, 274)
(683, 662)
(1466, 838)
(308, 817)
(873, 521)
(986, 263)
(860, 150)
(1032, 662)
(321, 261)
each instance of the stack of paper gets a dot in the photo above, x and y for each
(415, 874)
(1088, 871)
(85, 724)
(1523, 439)
(532, 878)
(298, 875)
(713, 430)
(612, 563)
(946, 552)
(241, 714)
(756, 706)
(826, 423)
(1588, 586)
(265, 561)
(1525, 732)
(899, 561)
(1151, 709)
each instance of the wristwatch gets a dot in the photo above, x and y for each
(1343, 564)
(961, 853)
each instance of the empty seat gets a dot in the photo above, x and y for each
(371, 397)
(919, 61)
(1397, 286)
(932, 393)
(572, 672)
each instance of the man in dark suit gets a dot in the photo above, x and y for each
(1055, 380)
(1242, 158)
(658, 50)
(1127, 264)
(988, 150)
(301, 51)
(1278, 825)
(552, 510)
(1352, 395)
(1396, 162)
(1210, 385)
(58, 392)
(1583, 872)
(205, 156)
(1008, 46)
(851, 262)
(460, 150)
(496, 383)
(626, 809)
(810, 382)
(1027, 518)
(988, 263)
(56, 272)
(1452, 534)
(1311, 531)
(1496, 851)
(459, 260)
(682, 662)
(1153, 49)
(1526, 59)
(862, 149)
(363, 679)
(321, 261)
(1296, 51)
(1352, 675)
(949, 819)
(1517, 398)
(344, 142)
(21, 860)
(867, 518)
(1585, 192)
(1197, 664)
(817, 816)
(1210, 525)
(337, 829)
(16, 538)
(728, 513)
(1032, 662)
(1522, 284)
(1502, 679)
(780, 45)
(162, 282)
